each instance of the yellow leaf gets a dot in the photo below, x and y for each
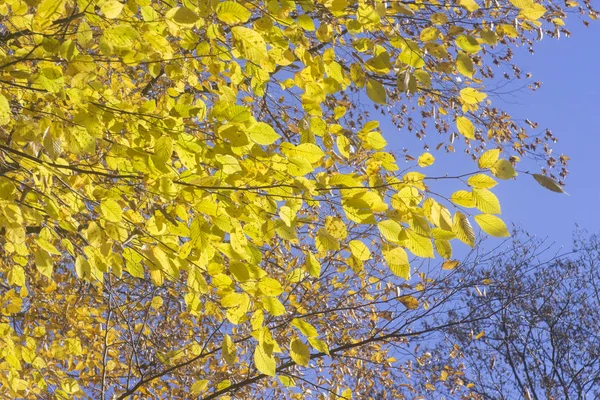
(198, 387)
(492, 225)
(425, 160)
(46, 245)
(270, 287)
(503, 169)
(156, 302)
(390, 230)
(469, 5)
(232, 13)
(250, 44)
(264, 360)
(472, 96)
(163, 149)
(464, 65)
(533, 12)
(359, 250)
(343, 145)
(411, 54)
(397, 259)
(489, 158)
(522, 3)
(306, 328)
(420, 246)
(465, 127)
(486, 201)
(450, 264)
(463, 229)
(443, 248)
(299, 352)
(263, 134)
(548, 183)
(468, 44)
(112, 8)
(122, 36)
(481, 181)
(44, 263)
(16, 276)
(376, 91)
(273, 306)
(463, 198)
(310, 152)
(5, 112)
(111, 210)
(312, 266)
(326, 242)
(182, 16)
(319, 345)
(409, 302)
(430, 33)
(228, 350)
(336, 227)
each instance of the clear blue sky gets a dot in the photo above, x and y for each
(569, 104)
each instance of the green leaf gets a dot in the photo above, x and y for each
(299, 352)
(492, 225)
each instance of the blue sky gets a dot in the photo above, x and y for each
(568, 105)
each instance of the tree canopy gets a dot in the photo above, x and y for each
(196, 196)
